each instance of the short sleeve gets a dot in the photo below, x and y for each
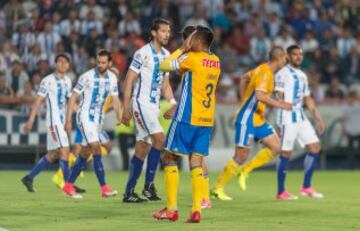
(114, 89)
(262, 81)
(81, 84)
(137, 62)
(279, 82)
(185, 62)
(44, 88)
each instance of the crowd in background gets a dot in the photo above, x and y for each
(33, 32)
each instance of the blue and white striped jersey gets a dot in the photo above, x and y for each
(56, 90)
(93, 91)
(146, 63)
(293, 83)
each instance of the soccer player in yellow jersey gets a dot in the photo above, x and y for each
(191, 127)
(256, 88)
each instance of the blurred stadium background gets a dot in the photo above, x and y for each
(33, 32)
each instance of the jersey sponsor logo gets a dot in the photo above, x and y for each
(210, 63)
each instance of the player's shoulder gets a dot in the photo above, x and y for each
(284, 70)
(88, 74)
(165, 51)
(112, 75)
(144, 50)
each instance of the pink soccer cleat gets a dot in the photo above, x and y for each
(311, 192)
(286, 196)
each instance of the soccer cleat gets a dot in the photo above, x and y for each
(106, 191)
(286, 196)
(165, 214)
(311, 192)
(242, 180)
(220, 194)
(59, 182)
(70, 190)
(194, 217)
(132, 197)
(149, 192)
(79, 190)
(28, 183)
(206, 204)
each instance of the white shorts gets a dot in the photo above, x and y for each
(91, 132)
(302, 132)
(146, 121)
(56, 137)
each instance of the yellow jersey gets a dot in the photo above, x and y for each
(252, 111)
(197, 101)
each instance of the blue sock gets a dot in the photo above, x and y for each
(281, 173)
(152, 164)
(78, 166)
(99, 169)
(64, 165)
(135, 169)
(40, 165)
(310, 163)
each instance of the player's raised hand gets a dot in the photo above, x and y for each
(126, 117)
(68, 126)
(188, 42)
(28, 127)
(170, 113)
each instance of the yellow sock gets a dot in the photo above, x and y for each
(72, 159)
(104, 151)
(171, 186)
(59, 174)
(197, 181)
(205, 188)
(230, 170)
(264, 156)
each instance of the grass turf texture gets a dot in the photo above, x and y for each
(255, 209)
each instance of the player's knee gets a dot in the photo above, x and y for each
(168, 158)
(52, 156)
(158, 142)
(108, 147)
(95, 148)
(314, 148)
(276, 149)
(285, 154)
(241, 154)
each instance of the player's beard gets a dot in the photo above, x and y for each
(102, 70)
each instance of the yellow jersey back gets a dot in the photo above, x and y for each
(200, 79)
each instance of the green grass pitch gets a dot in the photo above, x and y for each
(255, 209)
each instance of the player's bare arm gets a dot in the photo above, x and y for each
(310, 104)
(34, 109)
(243, 84)
(263, 97)
(169, 96)
(131, 76)
(117, 107)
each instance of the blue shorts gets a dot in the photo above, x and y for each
(245, 135)
(187, 139)
(104, 137)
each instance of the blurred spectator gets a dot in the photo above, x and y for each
(70, 24)
(345, 43)
(119, 9)
(7, 55)
(238, 41)
(91, 23)
(118, 60)
(198, 18)
(334, 91)
(44, 66)
(317, 92)
(28, 93)
(14, 12)
(309, 43)
(36, 80)
(29, 6)
(56, 21)
(253, 26)
(353, 64)
(17, 77)
(272, 25)
(284, 39)
(331, 64)
(113, 40)
(129, 25)
(23, 39)
(32, 58)
(92, 42)
(81, 60)
(48, 39)
(260, 47)
(91, 6)
(224, 20)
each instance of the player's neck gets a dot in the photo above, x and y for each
(60, 74)
(273, 67)
(156, 45)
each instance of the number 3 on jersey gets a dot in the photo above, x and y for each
(209, 90)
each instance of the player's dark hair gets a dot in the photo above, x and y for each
(275, 52)
(63, 55)
(105, 53)
(187, 31)
(204, 34)
(157, 23)
(292, 47)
